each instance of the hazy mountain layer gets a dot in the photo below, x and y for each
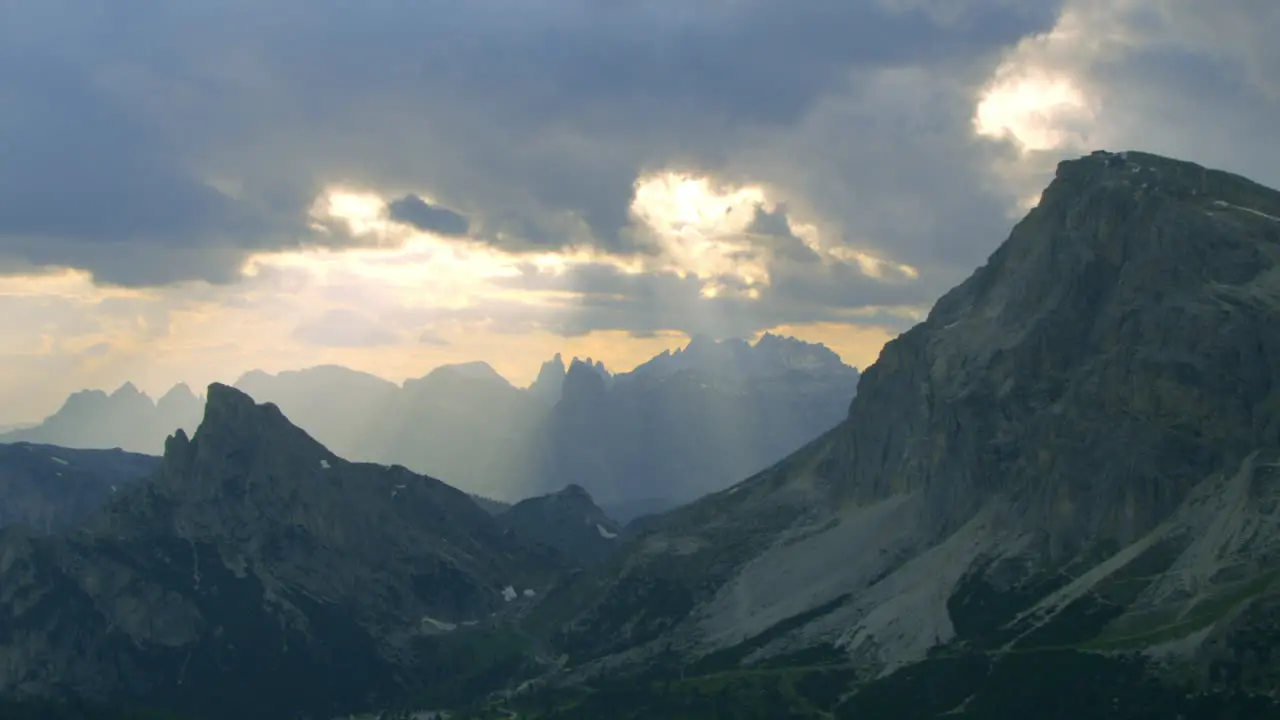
(126, 419)
(679, 426)
(1057, 497)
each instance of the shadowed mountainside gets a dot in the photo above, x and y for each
(256, 575)
(1065, 478)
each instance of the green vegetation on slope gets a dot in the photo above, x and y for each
(1047, 685)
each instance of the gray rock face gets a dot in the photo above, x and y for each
(1076, 451)
(255, 574)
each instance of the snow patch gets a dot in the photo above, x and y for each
(529, 592)
(1259, 213)
(59, 460)
(324, 464)
(604, 532)
(438, 624)
(509, 593)
(396, 490)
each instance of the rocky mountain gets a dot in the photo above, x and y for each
(549, 384)
(52, 488)
(568, 521)
(1059, 496)
(692, 422)
(256, 574)
(127, 419)
(333, 403)
(679, 426)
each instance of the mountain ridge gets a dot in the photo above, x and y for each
(256, 558)
(1057, 496)
(467, 424)
(1069, 463)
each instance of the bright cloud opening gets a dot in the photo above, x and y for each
(1038, 110)
(701, 227)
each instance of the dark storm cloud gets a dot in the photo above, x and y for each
(772, 229)
(609, 298)
(123, 124)
(423, 215)
(155, 142)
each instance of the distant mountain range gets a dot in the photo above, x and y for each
(1056, 497)
(127, 419)
(681, 425)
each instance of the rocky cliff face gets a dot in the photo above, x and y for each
(1076, 453)
(256, 574)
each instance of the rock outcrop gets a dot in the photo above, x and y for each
(1071, 465)
(256, 574)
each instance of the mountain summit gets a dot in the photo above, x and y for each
(256, 559)
(127, 418)
(1065, 473)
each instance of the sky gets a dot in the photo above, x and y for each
(192, 190)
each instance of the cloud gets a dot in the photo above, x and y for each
(153, 147)
(427, 337)
(423, 215)
(604, 296)
(1175, 77)
(342, 328)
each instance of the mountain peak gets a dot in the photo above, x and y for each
(574, 490)
(128, 388)
(583, 380)
(476, 370)
(550, 381)
(220, 398)
(180, 390)
(128, 392)
(235, 427)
